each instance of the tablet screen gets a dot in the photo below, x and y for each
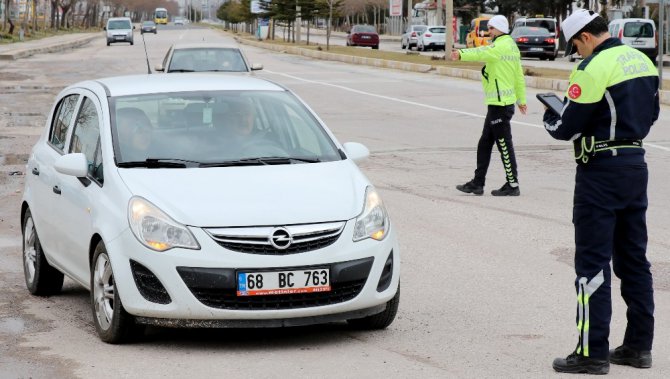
(552, 102)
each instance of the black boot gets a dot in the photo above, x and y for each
(579, 364)
(471, 187)
(507, 190)
(624, 355)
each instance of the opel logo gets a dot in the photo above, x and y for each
(281, 239)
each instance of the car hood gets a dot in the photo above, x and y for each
(252, 195)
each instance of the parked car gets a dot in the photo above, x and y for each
(148, 27)
(204, 200)
(478, 35)
(535, 42)
(432, 39)
(119, 29)
(638, 33)
(363, 35)
(411, 36)
(205, 56)
(179, 21)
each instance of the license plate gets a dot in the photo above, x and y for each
(637, 43)
(536, 49)
(119, 37)
(365, 37)
(283, 282)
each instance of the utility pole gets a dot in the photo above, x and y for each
(449, 35)
(440, 12)
(409, 14)
(298, 21)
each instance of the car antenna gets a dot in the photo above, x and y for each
(145, 53)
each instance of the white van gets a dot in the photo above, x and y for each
(639, 33)
(119, 29)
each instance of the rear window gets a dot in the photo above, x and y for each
(364, 29)
(437, 30)
(638, 30)
(550, 25)
(420, 28)
(483, 24)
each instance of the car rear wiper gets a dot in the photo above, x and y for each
(160, 163)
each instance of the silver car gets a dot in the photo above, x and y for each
(411, 36)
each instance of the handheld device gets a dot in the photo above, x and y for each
(551, 101)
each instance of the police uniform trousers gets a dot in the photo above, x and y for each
(497, 130)
(610, 204)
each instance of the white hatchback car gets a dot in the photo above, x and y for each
(204, 200)
(432, 39)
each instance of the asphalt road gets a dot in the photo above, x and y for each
(487, 282)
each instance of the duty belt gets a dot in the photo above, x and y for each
(587, 147)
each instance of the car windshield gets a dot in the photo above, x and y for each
(638, 29)
(207, 59)
(483, 25)
(530, 31)
(119, 24)
(148, 23)
(222, 128)
(364, 29)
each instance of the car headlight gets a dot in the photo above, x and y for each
(155, 229)
(373, 222)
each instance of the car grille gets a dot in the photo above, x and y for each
(217, 287)
(258, 240)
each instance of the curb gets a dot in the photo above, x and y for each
(557, 85)
(28, 51)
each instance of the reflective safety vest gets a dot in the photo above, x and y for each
(611, 103)
(502, 76)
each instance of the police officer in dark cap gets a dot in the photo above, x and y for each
(610, 105)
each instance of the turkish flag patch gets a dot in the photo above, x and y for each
(575, 91)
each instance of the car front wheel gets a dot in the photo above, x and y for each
(41, 278)
(112, 322)
(382, 319)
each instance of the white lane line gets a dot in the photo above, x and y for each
(420, 104)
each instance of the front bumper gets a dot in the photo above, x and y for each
(183, 287)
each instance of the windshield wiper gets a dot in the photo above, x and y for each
(160, 163)
(181, 70)
(261, 161)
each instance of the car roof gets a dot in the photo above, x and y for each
(200, 45)
(180, 82)
(118, 18)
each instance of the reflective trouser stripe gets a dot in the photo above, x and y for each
(585, 291)
(507, 162)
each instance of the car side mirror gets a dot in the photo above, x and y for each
(104, 28)
(133, 27)
(356, 152)
(256, 67)
(159, 68)
(74, 164)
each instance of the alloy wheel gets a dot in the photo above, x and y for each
(103, 291)
(29, 252)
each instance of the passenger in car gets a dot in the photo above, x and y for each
(133, 128)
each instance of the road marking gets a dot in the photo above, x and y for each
(420, 104)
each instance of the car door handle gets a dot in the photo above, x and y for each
(36, 171)
(56, 190)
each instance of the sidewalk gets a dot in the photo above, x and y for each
(17, 50)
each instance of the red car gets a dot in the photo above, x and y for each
(363, 35)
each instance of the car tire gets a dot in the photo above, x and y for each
(108, 43)
(113, 324)
(375, 47)
(380, 320)
(42, 279)
(402, 46)
(571, 59)
(131, 43)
